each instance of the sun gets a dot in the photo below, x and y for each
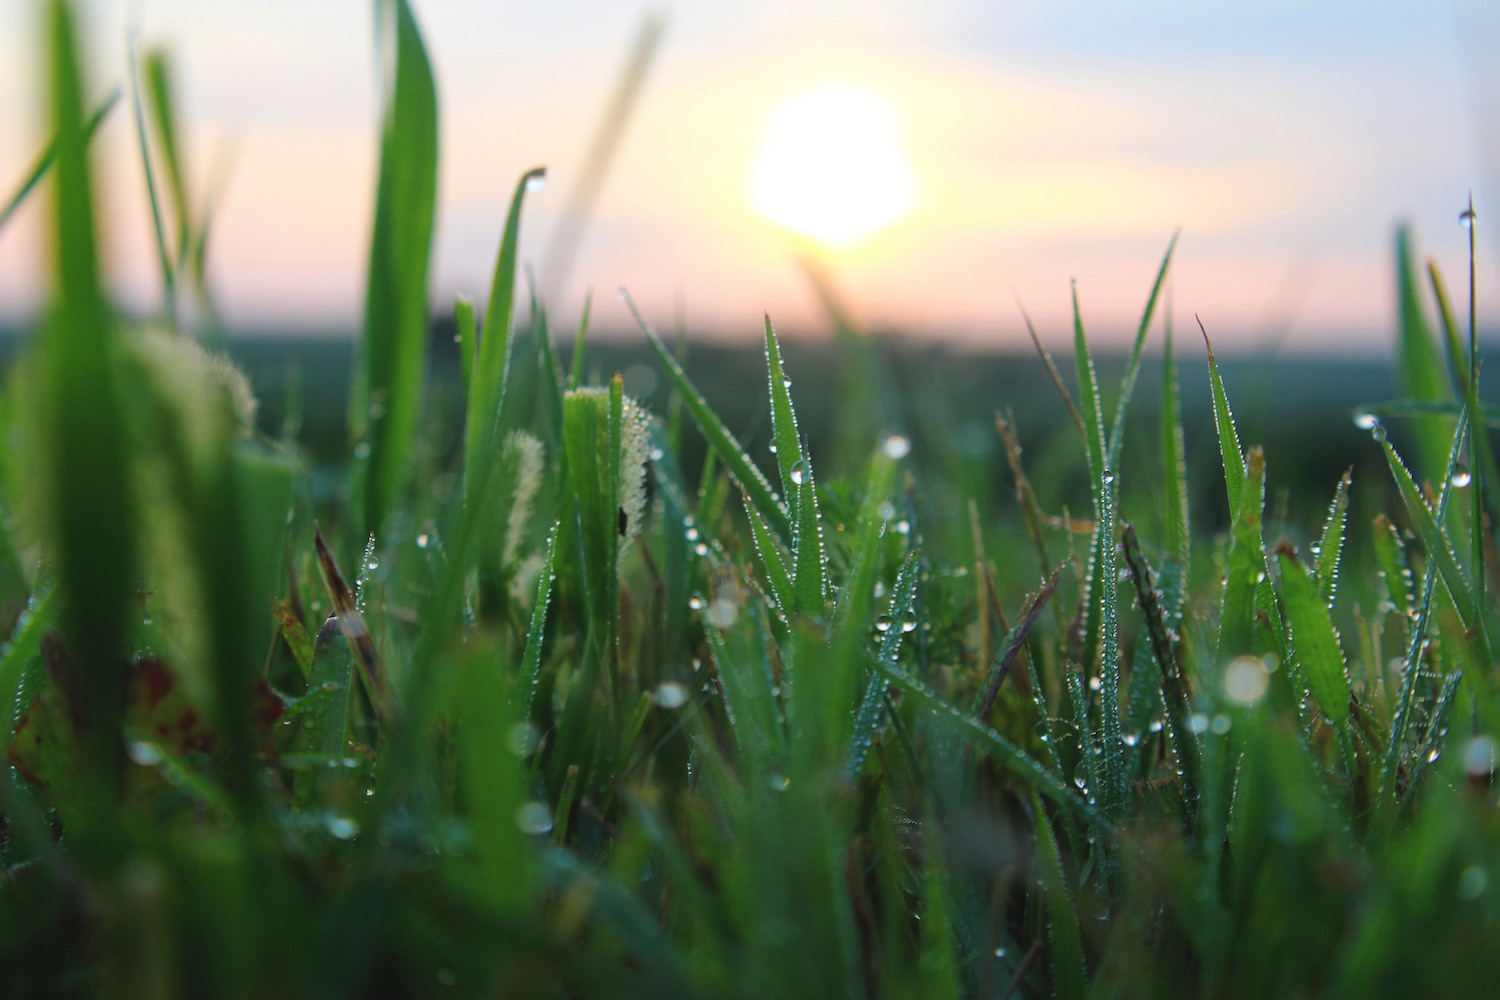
(831, 166)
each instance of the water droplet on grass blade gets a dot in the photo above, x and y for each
(423, 539)
(144, 754)
(896, 446)
(536, 182)
(799, 473)
(883, 623)
(696, 602)
(671, 695)
(1366, 421)
(909, 623)
(1461, 476)
(1246, 679)
(342, 827)
(1466, 218)
(534, 818)
(779, 783)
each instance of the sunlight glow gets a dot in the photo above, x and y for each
(831, 166)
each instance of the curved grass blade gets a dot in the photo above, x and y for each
(1317, 641)
(740, 465)
(164, 123)
(1229, 439)
(1420, 362)
(1429, 529)
(49, 154)
(1177, 533)
(492, 359)
(1014, 640)
(1069, 972)
(164, 256)
(1423, 408)
(903, 604)
(395, 322)
(531, 660)
(353, 625)
(998, 747)
(773, 558)
(1127, 385)
(1332, 542)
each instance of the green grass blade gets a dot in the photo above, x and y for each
(165, 258)
(1420, 362)
(87, 450)
(810, 570)
(580, 342)
(1247, 565)
(1137, 352)
(395, 323)
(997, 746)
(1069, 972)
(1390, 559)
(903, 605)
(164, 124)
(1332, 542)
(45, 159)
(325, 724)
(1429, 529)
(740, 465)
(1089, 403)
(1317, 641)
(783, 421)
(492, 361)
(1229, 438)
(1178, 534)
(937, 965)
(773, 558)
(531, 660)
(467, 336)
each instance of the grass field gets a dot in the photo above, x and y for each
(499, 681)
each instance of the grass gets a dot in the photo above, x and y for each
(531, 715)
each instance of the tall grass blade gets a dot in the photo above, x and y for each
(867, 718)
(1331, 544)
(1069, 971)
(92, 524)
(395, 324)
(1420, 362)
(1137, 352)
(1177, 536)
(165, 258)
(1229, 439)
(492, 360)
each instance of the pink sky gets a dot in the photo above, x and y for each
(1050, 141)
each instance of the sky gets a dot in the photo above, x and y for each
(1036, 143)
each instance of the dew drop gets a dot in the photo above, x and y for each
(536, 182)
(883, 623)
(1246, 679)
(903, 527)
(773, 447)
(1155, 726)
(701, 549)
(534, 818)
(671, 695)
(521, 739)
(341, 827)
(886, 510)
(423, 540)
(1198, 723)
(909, 623)
(692, 534)
(896, 446)
(779, 782)
(657, 454)
(144, 754)
(723, 612)
(1472, 883)
(786, 383)
(1466, 218)
(1366, 421)
(622, 294)
(1461, 476)
(696, 602)
(798, 474)
(1481, 756)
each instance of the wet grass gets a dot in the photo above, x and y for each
(501, 702)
